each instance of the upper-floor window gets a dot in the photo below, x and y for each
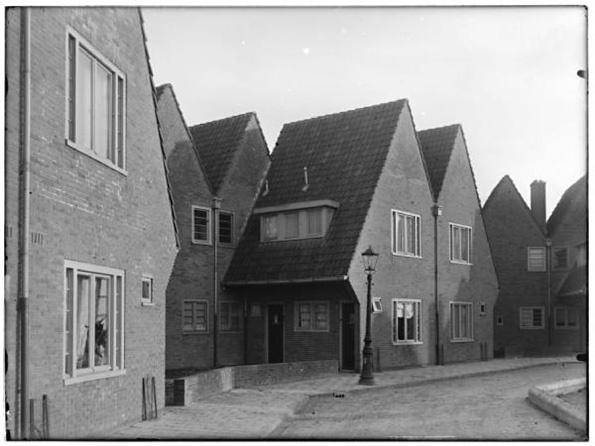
(406, 234)
(94, 320)
(296, 220)
(532, 318)
(536, 258)
(225, 228)
(560, 258)
(460, 243)
(201, 225)
(96, 104)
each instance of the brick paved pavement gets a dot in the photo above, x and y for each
(256, 413)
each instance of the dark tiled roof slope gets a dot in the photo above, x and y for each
(574, 194)
(217, 142)
(344, 154)
(575, 283)
(437, 146)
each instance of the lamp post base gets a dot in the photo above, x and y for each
(366, 381)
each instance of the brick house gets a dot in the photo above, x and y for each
(542, 270)
(215, 170)
(89, 233)
(337, 185)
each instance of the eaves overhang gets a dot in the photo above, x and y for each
(298, 205)
(343, 278)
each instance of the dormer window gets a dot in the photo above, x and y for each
(296, 221)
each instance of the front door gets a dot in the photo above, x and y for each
(275, 333)
(348, 336)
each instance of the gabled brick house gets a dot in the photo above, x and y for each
(215, 170)
(542, 270)
(90, 239)
(337, 185)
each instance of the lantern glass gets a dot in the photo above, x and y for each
(370, 258)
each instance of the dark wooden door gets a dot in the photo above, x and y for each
(348, 336)
(275, 333)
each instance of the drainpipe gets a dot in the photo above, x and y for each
(548, 267)
(436, 212)
(245, 328)
(216, 205)
(24, 192)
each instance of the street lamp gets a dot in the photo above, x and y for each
(367, 375)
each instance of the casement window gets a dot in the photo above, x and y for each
(461, 321)
(460, 243)
(269, 227)
(565, 318)
(532, 318)
(406, 234)
(195, 316)
(225, 228)
(314, 222)
(312, 316)
(536, 259)
(201, 225)
(147, 290)
(296, 221)
(229, 317)
(406, 321)
(560, 258)
(96, 104)
(292, 225)
(94, 321)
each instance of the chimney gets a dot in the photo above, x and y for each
(538, 202)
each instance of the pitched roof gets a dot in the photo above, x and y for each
(217, 143)
(344, 154)
(574, 194)
(437, 146)
(575, 283)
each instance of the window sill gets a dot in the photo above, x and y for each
(147, 304)
(311, 331)
(404, 254)
(93, 376)
(532, 328)
(566, 328)
(459, 262)
(96, 157)
(195, 332)
(230, 331)
(199, 242)
(399, 343)
(461, 341)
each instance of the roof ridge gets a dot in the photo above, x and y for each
(562, 204)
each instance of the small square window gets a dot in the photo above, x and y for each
(499, 320)
(147, 291)
(377, 304)
(482, 308)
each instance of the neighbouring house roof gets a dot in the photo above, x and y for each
(504, 184)
(575, 283)
(344, 154)
(437, 146)
(574, 194)
(217, 143)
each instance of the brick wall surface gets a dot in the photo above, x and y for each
(88, 212)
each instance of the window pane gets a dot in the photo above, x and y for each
(101, 321)
(401, 233)
(224, 316)
(304, 316)
(82, 319)
(315, 222)
(417, 236)
(537, 317)
(465, 236)
(572, 317)
(410, 221)
(409, 321)
(321, 314)
(102, 127)
(560, 258)
(560, 317)
(201, 225)
(457, 243)
(400, 321)
(291, 225)
(84, 100)
(225, 227)
(270, 227)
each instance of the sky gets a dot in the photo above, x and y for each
(508, 75)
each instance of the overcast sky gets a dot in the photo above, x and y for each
(506, 74)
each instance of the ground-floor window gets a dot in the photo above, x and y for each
(94, 319)
(406, 321)
(532, 318)
(461, 320)
(229, 317)
(565, 318)
(195, 316)
(312, 316)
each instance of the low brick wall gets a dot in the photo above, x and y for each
(185, 390)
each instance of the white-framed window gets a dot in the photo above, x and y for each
(536, 258)
(146, 290)
(461, 321)
(532, 318)
(377, 304)
(93, 321)
(406, 321)
(230, 317)
(312, 316)
(314, 217)
(269, 227)
(460, 243)
(406, 234)
(201, 225)
(96, 103)
(195, 316)
(226, 233)
(560, 258)
(565, 318)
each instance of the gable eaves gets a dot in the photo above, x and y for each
(159, 132)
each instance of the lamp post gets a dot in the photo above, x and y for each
(367, 375)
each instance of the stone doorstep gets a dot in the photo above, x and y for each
(546, 398)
